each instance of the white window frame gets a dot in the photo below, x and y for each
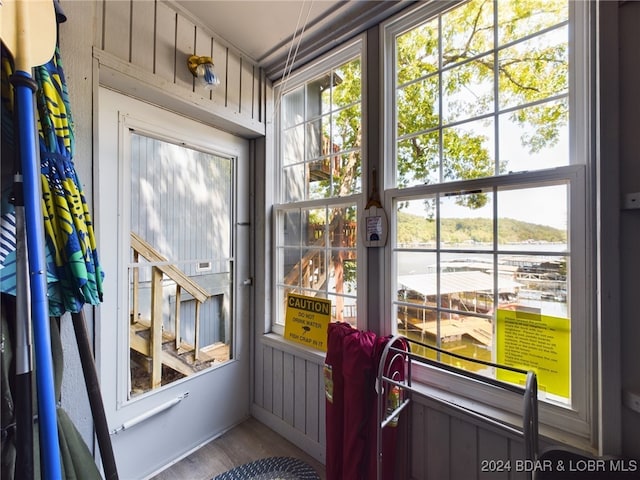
(346, 52)
(575, 425)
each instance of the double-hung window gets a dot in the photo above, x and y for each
(319, 145)
(487, 171)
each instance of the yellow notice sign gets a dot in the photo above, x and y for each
(307, 321)
(530, 341)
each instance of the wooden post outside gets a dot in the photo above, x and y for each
(177, 313)
(156, 328)
(136, 289)
(196, 351)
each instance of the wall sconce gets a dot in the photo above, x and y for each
(202, 69)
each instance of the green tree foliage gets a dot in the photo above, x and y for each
(414, 229)
(446, 75)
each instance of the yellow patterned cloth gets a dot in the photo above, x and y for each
(73, 270)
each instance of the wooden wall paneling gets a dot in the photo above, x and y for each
(203, 47)
(185, 46)
(288, 391)
(258, 376)
(463, 452)
(278, 382)
(247, 99)
(219, 56)
(165, 41)
(267, 368)
(312, 426)
(233, 82)
(437, 444)
(116, 25)
(143, 16)
(322, 408)
(492, 447)
(417, 445)
(517, 452)
(299, 393)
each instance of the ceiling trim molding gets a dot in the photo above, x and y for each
(359, 17)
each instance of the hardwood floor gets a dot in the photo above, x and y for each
(247, 442)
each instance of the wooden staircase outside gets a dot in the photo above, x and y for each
(148, 336)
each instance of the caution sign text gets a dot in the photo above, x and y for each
(307, 320)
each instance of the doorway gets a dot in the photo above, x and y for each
(172, 335)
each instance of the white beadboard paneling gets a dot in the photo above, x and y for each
(322, 408)
(516, 453)
(185, 46)
(299, 394)
(437, 443)
(157, 39)
(464, 449)
(267, 368)
(312, 426)
(116, 25)
(142, 34)
(288, 392)
(492, 447)
(278, 382)
(417, 440)
(246, 89)
(219, 56)
(203, 46)
(165, 41)
(233, 82)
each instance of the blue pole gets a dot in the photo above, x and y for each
(49, 450)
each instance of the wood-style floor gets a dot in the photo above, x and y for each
(249, 441)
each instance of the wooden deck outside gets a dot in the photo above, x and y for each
(150, 340)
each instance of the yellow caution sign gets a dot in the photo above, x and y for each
(307, 320)
(531, 341)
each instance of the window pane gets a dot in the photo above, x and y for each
(542, 282)
(343, 227)
(533, 218)
(347, 179)
(418, 160)
(317, 140)
(469, 150)
(344, 309)
(181, 239)
(291, 230)
(318, 96)
(467, 90)
(417, 105)
(466, 221)
(415, 225)
(516, 19)
(320, 178)
(467, 31)
(293, 145)
(346, 84)
(534, 69)
(536, 137)
(293, 108)
(289, 270)
(346, 132)
(315, 223)
(417, 52)
(293, 187)
(326, 163)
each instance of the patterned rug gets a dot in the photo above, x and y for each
(273, 468)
